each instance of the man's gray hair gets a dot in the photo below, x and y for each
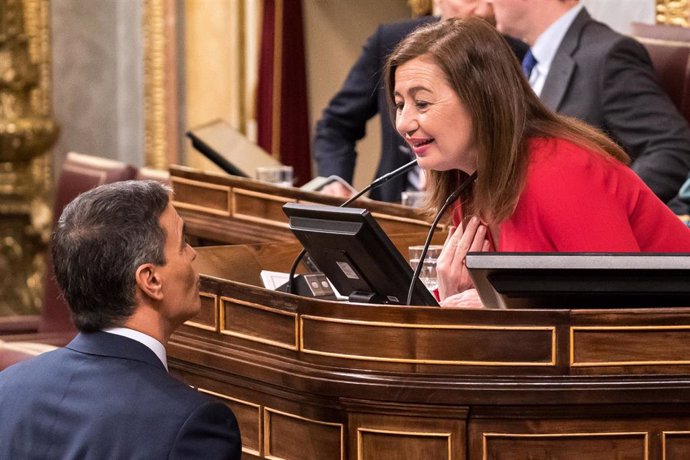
(101, 238)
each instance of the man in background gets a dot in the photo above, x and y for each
(125, 268)
(581, 68)
(362, 96)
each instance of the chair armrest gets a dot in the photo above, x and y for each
(18, 324)
(58, 339)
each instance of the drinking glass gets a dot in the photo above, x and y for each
(413, 199)
(428, 274)
(278, 175)
(415, 252)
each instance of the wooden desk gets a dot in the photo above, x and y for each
(316, 379)
(218, 208)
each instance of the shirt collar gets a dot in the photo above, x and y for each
(546, 45)
(151, 343)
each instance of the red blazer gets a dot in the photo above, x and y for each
(575, 200)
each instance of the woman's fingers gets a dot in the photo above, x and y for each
(467, 299)
(479, 239)
(452, 273)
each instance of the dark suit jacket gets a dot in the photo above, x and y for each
(362, 96)
(108, 397)
(607, 80)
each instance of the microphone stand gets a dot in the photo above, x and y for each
(377, 183)
(451, 198)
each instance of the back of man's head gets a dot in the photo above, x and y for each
(101, 238)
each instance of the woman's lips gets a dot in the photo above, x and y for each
(420, 146)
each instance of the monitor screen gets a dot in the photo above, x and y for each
(351, 249)
(592, 280)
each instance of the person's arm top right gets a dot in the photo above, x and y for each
(344, 120)
(644, 120)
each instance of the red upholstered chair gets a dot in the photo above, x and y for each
(669, 48)
(79, 174)
(13, 352)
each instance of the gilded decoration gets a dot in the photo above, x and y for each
(26, 133)
(160, 81)
(420, 7)
(675, 12)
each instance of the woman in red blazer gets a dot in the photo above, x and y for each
(546, 183)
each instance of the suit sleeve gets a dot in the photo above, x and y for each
(344, 120)
(210, 432)
(640, 116)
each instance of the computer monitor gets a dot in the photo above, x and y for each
(592, 280)
(351, 249)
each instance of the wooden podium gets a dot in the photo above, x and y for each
(218, 208)
(317, 379)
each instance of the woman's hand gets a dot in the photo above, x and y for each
(453, 277)
(467, 299)
(337, 189)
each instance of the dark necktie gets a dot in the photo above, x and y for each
(528, 63)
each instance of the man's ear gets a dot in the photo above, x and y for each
(149, 281)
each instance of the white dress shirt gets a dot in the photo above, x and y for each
(151, 343)
(546, 45)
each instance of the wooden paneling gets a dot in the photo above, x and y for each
(419, 343)
(376, 432)
(260, 208)
(207, 318)
(249, 420)
(258, 323)
(289, 436)
(227, 209)
(402, 445)
(201, 196)
(630, 345)
(676, 445)
(565, 446)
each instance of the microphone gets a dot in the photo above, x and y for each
(381, 180)
(374, 184)
(451, 198)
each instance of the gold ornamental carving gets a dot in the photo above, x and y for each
(674, 12)
(26, 133)
(160, 84)
(420, 7)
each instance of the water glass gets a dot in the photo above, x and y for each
(428, 274)
(413, 198)
(278, 175)
(415, 252)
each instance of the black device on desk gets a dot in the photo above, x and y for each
(356, 255)
(591, 280)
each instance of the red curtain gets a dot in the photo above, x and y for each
(282, 113)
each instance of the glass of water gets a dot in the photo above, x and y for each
(278, 175)
(428, 274)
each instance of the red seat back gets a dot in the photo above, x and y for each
(669, 48)
(79, 174)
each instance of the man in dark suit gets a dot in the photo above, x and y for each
(125, 268)
(362, 96)
(586, 70)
